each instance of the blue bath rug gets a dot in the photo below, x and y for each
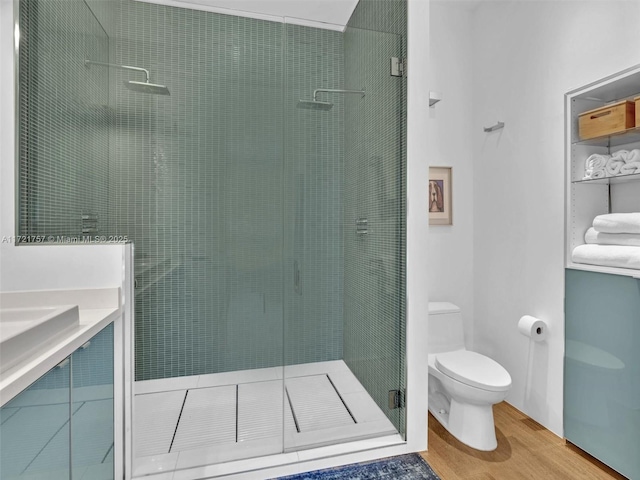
(402, 467)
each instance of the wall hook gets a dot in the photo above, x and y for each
(434, 97)
(495, 127)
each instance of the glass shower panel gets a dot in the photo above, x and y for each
(63, 122)
(375, 219)
(197, 184)
(344, 235)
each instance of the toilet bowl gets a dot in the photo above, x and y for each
(463, 385)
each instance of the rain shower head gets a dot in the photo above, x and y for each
(142, 87)
(314, 105)
(146, 87)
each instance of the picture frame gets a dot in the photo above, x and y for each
(439, 188)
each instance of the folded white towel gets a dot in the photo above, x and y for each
(628, 239)
(618, 223)
(607, 255)
(630, 168)
(614, 165)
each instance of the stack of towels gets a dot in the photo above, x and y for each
(613, 241)
(622, 162)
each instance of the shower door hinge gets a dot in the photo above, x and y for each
(397, 67)
(396, 399)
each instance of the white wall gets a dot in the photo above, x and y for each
(417, 225)
(39, 267)
(526, 55)
(450, 132)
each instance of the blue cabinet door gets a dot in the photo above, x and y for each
(602, 367)
(35, 429)
(92, 406)
(61, 427)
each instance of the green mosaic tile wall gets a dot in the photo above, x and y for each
(63, 119)
(222, 185)
(197, 184)
(375, 179)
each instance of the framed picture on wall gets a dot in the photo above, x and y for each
(440, 207)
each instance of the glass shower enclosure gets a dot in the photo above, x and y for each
(259, 169)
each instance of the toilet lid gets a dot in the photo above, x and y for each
(474, 369)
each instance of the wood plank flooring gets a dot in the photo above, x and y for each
(526, 450)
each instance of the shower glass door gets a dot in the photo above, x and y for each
(375, 214)
(344, 217)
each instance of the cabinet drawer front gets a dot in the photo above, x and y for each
(607, 120)
(602, 367)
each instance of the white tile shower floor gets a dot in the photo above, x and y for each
(207, 419)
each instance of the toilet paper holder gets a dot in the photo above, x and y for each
(533, 328)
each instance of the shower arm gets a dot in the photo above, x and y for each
(333, 90)
(88, 63)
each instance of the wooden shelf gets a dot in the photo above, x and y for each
(631, 135)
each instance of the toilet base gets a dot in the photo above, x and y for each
(472, 424)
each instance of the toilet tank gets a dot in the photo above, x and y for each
(445, 327)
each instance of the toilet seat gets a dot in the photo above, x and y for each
(474, 369)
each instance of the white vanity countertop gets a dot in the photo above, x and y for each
(97, 308)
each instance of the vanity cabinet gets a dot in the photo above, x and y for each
(62, 426)
(602, 367)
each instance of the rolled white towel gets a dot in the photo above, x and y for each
(621, 155)
(607, 255)
(614, 165)
(595, 163)
(630, 168)
(617, 223)
(634, 155)
(625, 239)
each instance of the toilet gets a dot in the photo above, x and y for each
(463, 385)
